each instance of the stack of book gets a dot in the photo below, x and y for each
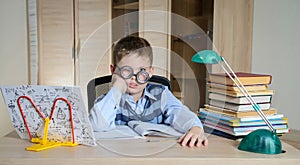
(229, 113)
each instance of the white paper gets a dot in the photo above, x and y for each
(60, 125)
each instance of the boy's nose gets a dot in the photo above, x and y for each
(133, 77)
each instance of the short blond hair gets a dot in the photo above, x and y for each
(129, 45)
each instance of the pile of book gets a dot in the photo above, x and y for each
(228, 113)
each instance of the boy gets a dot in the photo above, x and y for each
(131, 98)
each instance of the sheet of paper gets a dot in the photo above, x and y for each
(44, 96)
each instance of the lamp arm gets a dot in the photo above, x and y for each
(241, 87)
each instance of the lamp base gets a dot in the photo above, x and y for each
(261, 141)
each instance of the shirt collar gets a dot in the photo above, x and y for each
(148, 94)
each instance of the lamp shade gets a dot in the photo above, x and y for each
(207, 57)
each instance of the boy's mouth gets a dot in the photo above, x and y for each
(133, 85)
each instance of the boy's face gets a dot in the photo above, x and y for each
(136, 63)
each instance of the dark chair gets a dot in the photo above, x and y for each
(100, 85)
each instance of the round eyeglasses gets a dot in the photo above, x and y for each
(127, 72)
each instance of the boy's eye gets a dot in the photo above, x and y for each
(142, 75)
(126, 72)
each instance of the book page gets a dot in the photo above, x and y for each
(151, 129)
(120, 132)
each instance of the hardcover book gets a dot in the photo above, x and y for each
(245, 78)
(239, 94)
(239, 100)
(235, 88)
(224, 117)
(238, 107)
(237, 114)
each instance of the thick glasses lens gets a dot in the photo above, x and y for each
(126, 72)
(142, 76)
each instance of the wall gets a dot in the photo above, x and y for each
(275, 50)
(13, 52)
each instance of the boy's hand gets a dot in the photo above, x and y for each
(119, 83)
(195, 137)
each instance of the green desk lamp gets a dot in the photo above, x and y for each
(258, 141)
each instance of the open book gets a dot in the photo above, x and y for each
(138, 129)
(151, 129)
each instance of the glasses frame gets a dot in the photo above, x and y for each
(142, 71)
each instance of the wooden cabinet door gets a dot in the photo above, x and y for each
(154, 25)
(94, 41)
(56, 42)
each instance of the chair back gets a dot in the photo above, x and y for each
(101, 85)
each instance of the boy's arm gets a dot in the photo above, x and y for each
(182, 119)
(102, 115)
(178, 115)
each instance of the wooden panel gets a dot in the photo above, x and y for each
(232, 32)
(55, 42)
(94, 38)
(155, 27)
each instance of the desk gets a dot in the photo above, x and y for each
(219, 151)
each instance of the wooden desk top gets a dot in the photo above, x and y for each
(139, 151)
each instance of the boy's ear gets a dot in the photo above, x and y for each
(112, 68)
(151, 71)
